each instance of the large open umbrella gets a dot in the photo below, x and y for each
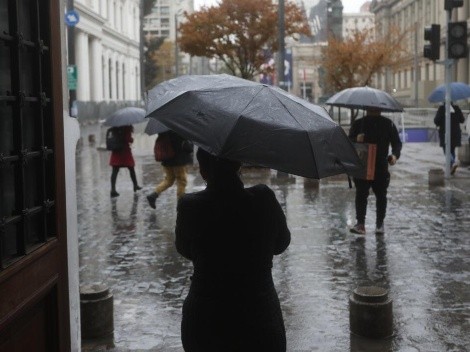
(254, 123)
(125, 117)
(365, 98)
(458, 91)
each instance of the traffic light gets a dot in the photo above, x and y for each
(433, 35)
(457, 37)
(450, 4)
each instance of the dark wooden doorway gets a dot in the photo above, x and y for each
(34, 313)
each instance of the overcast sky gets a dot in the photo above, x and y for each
(349, 5)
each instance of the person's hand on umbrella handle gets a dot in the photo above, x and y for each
(392, 159)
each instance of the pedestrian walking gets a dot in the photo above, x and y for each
(376, 129)
(456, 118)
(180, 151)
(231, 234)
(123, 158)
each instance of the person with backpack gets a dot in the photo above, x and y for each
(174, 153)
(120, 139)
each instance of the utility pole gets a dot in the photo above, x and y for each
(281, 54)
(142, 51)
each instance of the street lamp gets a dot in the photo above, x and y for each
(176, 42)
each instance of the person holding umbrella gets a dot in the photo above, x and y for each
(121, 122)
(231, 233)
(377, 129)
(456, 118)
(123, 158)
(174, 167)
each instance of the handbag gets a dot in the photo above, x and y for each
(367, 152)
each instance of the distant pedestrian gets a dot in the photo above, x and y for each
(467, 127)
(376, 129)
(123, 158)
(231, 234)
(175, 167)
(456, 118)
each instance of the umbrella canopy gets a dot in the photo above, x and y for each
(458, 91)
(254, 123)
(365, 98)
(125, 117)
(154, 127)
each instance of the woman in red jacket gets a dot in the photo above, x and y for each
(123, 158)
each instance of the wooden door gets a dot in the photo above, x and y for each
(34, 313)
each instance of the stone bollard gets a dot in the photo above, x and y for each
(96, 311)
(311, 183)
(436, 177)
(91, 139)
(370, 312)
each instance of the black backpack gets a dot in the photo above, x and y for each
(115, 139)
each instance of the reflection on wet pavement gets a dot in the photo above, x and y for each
(423, 258)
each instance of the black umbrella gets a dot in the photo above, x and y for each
(125, 117)
(365, 98)
(254, 123)
(155, 127)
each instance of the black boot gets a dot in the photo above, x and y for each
(114, 194)
(152, 198)
(137, 188)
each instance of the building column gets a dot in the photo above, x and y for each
(96, 70)
(83, 66)
(121, 80)
(106, 77)
(111, 13)
(113, 70)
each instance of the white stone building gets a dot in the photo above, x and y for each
(107, 53)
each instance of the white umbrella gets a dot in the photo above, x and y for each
(125, 117)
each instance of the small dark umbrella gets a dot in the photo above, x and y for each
(155, 127)
(365, 98)
(254, 123)
(125, 117)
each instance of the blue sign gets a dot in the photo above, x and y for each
(72, 18)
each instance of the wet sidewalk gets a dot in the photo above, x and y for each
(423, 258)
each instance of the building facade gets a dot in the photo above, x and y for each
(417, 77)
(107, 53)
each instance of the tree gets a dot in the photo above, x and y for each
(240, 33)
(353, 62)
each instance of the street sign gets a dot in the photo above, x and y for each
(72, 77)
(72, 18)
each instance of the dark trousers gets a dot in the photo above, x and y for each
(115, 173)
(452, 154)
(379, 186)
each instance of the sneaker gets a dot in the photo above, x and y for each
(114, 194)
(379, 229)
(453, 169)
(152, 199)
(358, 229)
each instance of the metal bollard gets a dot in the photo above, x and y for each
(436, 177)
(370, 312)
(96, 311)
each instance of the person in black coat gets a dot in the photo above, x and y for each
(231, 233)
(456, 118)
(174, 168)
(376, 129)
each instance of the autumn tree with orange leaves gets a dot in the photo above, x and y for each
(238, 32)
(354, 61)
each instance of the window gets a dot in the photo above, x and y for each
(27, 174)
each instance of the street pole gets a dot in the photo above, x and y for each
(281, 56)
(176, 46)
(141, 50)
(448, 64)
